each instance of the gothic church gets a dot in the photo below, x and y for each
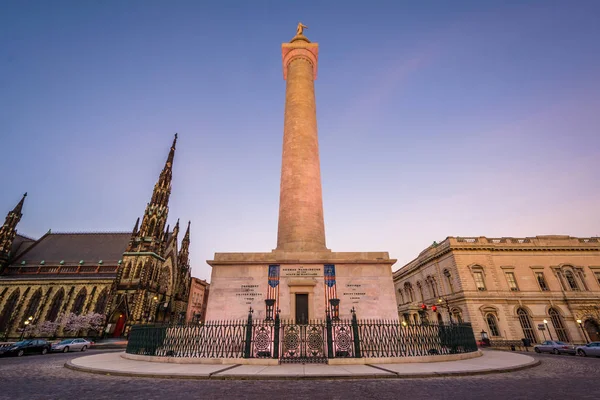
(131, 278)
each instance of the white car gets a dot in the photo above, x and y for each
(590, 349)
(555, 347)
(71, 345)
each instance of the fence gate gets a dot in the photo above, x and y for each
(303, 343)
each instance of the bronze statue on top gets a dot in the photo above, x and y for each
(300, 29)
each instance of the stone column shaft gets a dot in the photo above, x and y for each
(301, 224)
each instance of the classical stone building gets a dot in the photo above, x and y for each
(507, 287)
(199, 291)
(130, 277)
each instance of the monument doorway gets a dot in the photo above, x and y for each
(302, 308)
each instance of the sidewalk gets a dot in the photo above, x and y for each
(113, 364)
(116, 343)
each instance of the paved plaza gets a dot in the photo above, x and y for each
(45, 377)
(115, 364)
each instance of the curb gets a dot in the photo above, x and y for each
(391, 375)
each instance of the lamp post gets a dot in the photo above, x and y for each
(582, 331)
(335, 309)
(155, 317)
(270, 303)
(446, 305)
(27, 322)
(548, 329)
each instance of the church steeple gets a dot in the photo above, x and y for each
(184, 253)
(155, 217)
(162, 189)
(9, 230)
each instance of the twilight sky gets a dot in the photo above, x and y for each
(436, 118)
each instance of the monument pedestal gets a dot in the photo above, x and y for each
(302, 285)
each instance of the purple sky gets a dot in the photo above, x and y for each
(436, 118)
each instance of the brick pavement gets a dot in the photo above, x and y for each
(44, 377)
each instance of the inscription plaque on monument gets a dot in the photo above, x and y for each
(301, 271)
(354, 292)
(248, 293)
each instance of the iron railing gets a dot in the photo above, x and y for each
(315, 341)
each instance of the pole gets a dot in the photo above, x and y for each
(329, 335)
(549, 333)
(276, 328)
(248, 344)
(583, 332)
(355, 334)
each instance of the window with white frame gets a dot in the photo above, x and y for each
(512, 281)
(479, 281)
(492, 324)
(541, 280)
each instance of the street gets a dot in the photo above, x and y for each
(44, 377)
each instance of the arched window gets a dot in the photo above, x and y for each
(432, 286)
(457, 314)
(492, 324)
(416, 319)
(593, 330)
(561, 332)
(101, 302)
(55, 306)
(420, 291)
(79, 302)
(526, 325)
(10, 305)
(440, 319)
(33, 305)
(409, 292)
(571, 280)
(127, 271)
(138, 271)
(151, 227)
(449, 280)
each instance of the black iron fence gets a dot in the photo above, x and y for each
(315, 341)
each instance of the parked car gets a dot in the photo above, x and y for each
(71, 345)
(590, 349)
(554, 346)
(29, 346)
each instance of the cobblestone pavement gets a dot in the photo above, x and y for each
(44, 377)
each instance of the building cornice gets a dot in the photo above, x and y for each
(536, 244)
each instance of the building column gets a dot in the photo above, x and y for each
(301, 225)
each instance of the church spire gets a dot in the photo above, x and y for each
(136, 227)
(155, 217)
(9, 230)
(184, 253)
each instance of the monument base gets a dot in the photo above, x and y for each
(303, 286)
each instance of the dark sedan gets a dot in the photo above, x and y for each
(29, 346)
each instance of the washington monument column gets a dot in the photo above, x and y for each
(301, 227)
(301, 278)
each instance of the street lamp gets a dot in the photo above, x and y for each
(27, 322)
(447, 306)
(548, 329)
(582, 331)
